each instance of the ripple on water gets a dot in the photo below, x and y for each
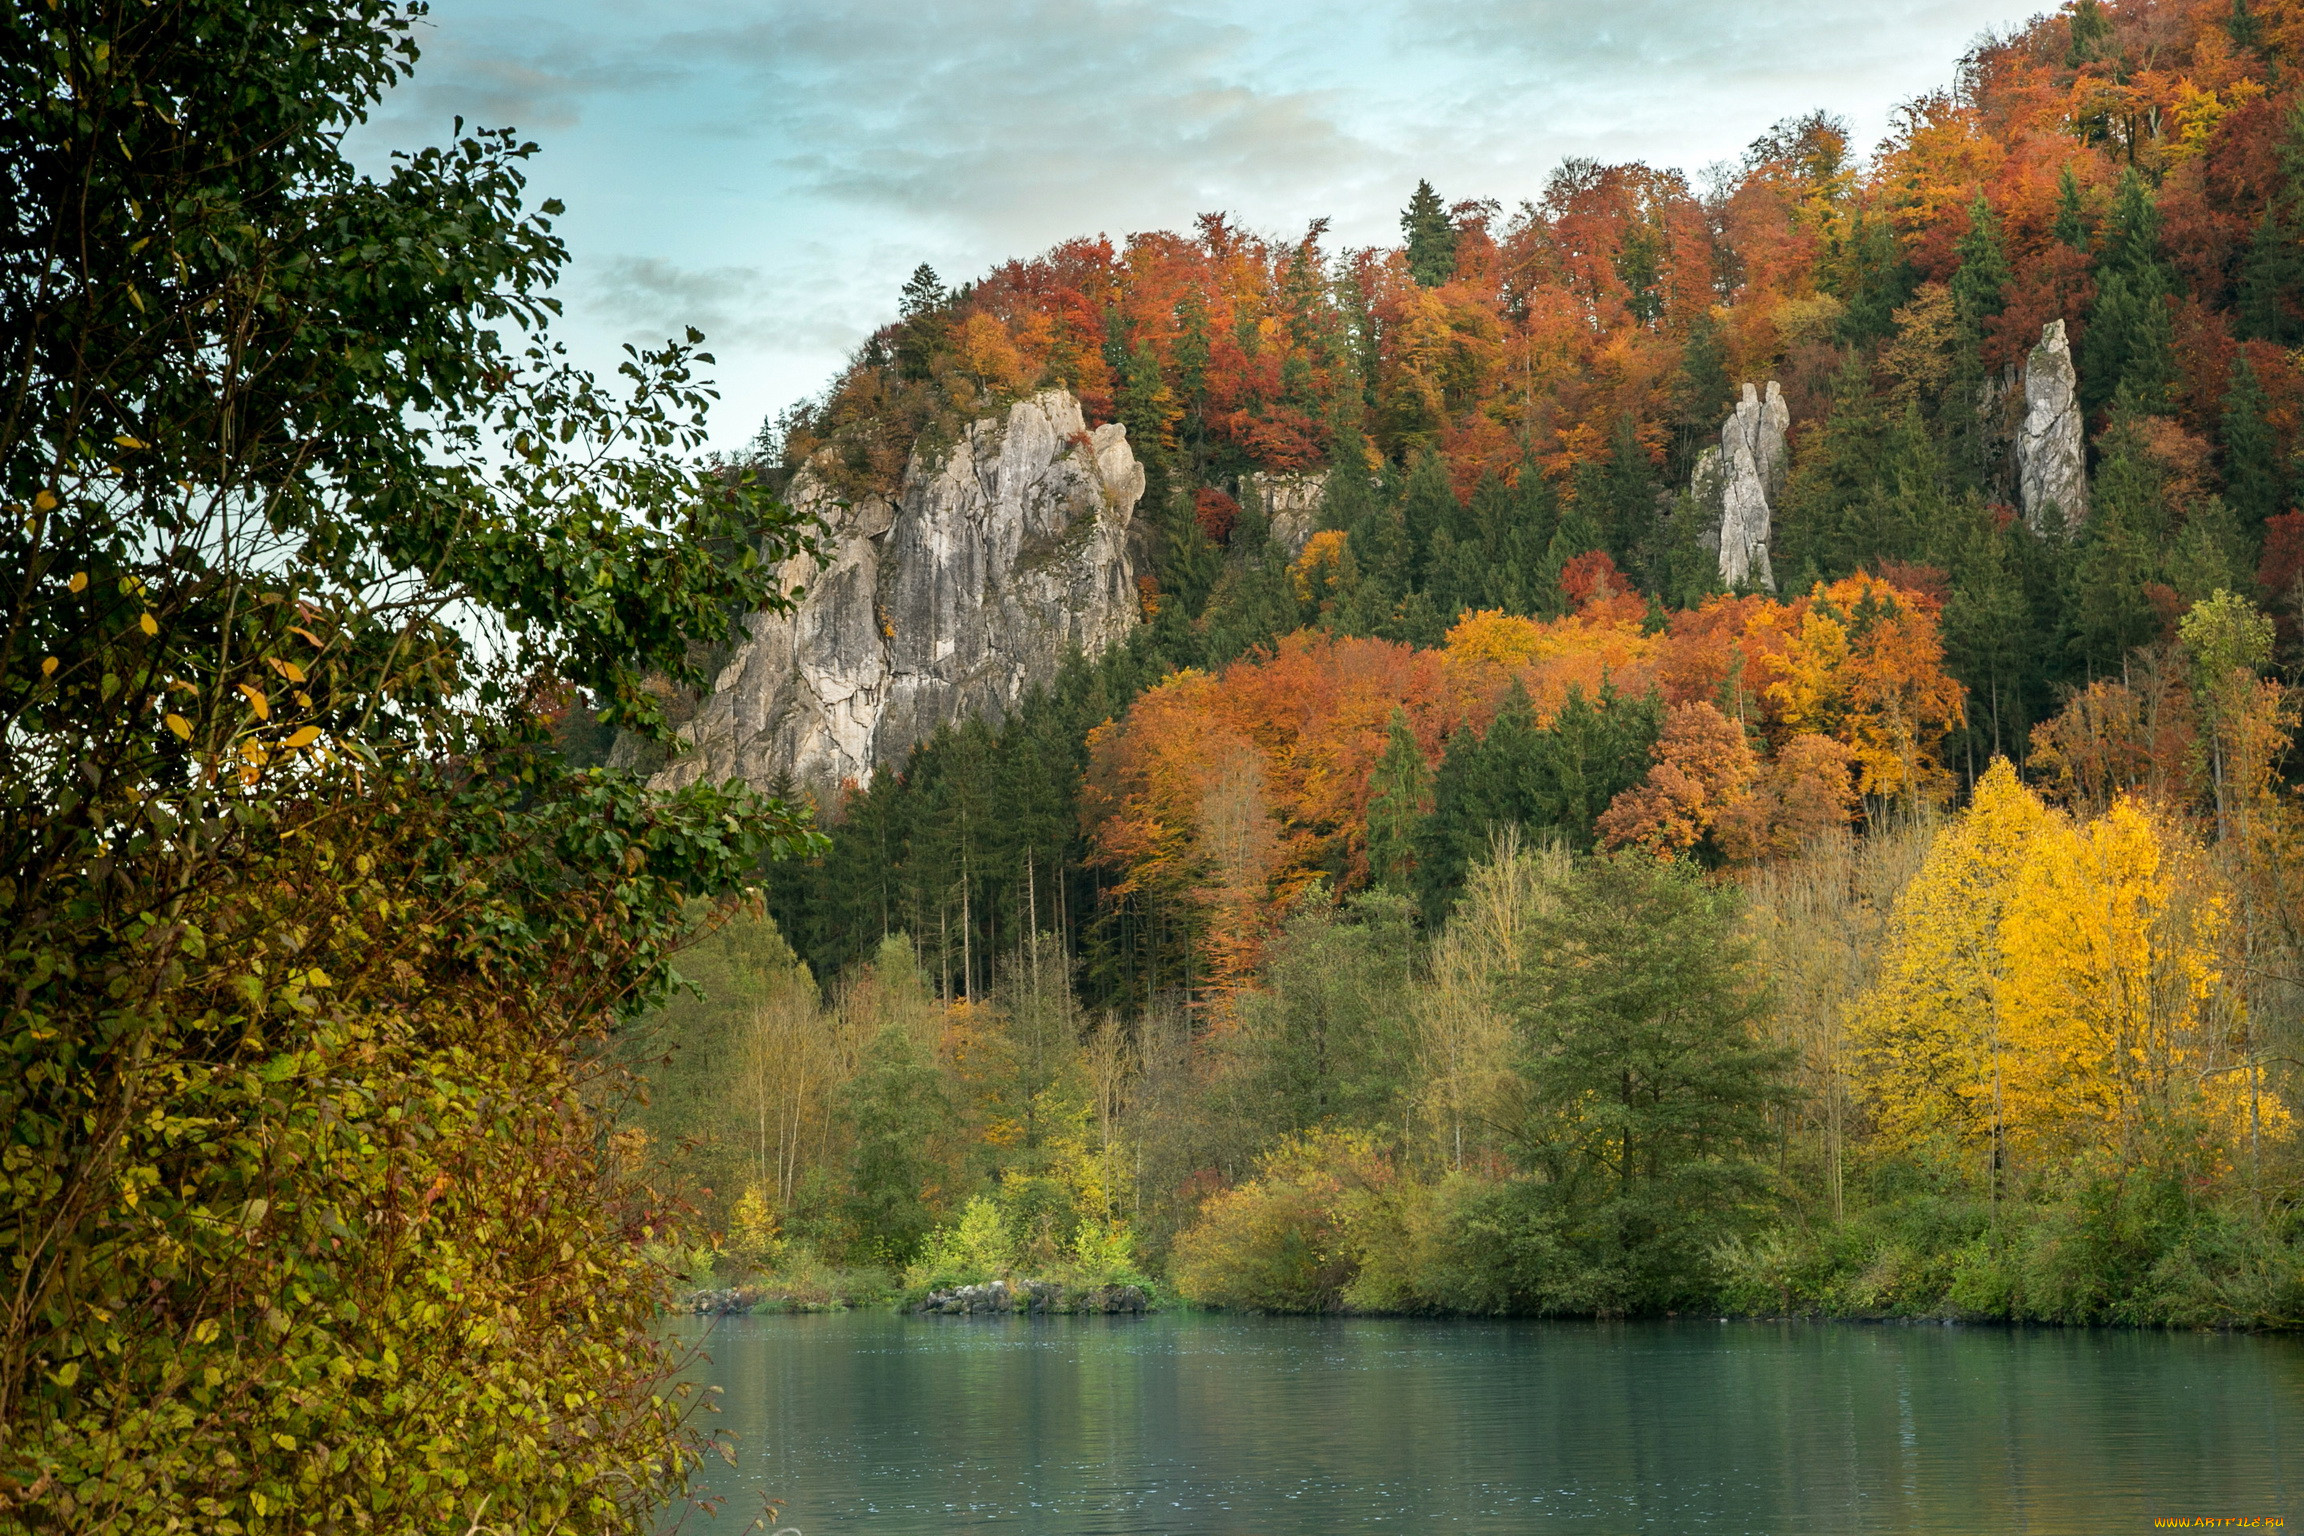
(1191, 1425)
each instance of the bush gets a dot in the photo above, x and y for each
(1281, 1242)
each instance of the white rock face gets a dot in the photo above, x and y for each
(1291, 503)
(2052, 443)
(1000, 556)
(1743, 480)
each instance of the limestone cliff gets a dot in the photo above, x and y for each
(2052, 445)
(1291, 502)
(999, 556)
(1739, 482)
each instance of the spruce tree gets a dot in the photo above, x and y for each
(1991, 639)
(1431, 237)
(1430, 514)
(2131, 345)
(1702, 394)
(925, 325)
(2242, 26)
(2071, 226)
(1476, 793)
(1979, 288)
(1877, 282)
(2254, 485)
(1522, 579)
(2117, 552)
(2271, 281)
(1399, 798)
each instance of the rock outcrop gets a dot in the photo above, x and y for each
(2052, 444)
(1740, 482)
(1031, 1296)
(1291, 505)
(999, 556)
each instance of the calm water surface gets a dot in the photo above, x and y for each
(1187, 1424)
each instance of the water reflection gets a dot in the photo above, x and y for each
(1286, 1427)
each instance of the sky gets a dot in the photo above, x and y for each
(770, 172)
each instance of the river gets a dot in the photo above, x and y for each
(1199, 1425)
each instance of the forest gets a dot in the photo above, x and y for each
(1474, 907)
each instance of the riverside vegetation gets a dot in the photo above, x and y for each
(1470, 908)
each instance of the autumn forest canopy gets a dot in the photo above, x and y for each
(1456, 895)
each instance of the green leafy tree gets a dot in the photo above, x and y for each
(1647, 1092)
(895, 1108)
(314, 943)
(1325, 1041)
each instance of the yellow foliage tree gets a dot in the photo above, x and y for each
(2114, 987)
(2054, 988)
(1928, 1037)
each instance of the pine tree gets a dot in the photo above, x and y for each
(1431, 237)
(2253, 483)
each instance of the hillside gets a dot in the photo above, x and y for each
(1846, 605)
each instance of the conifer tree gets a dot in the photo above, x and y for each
(2254, 486)
(1648, 1090)
(2071, 226)
(1702, 394)
(1399, 798)
(2243, 27)
(2130, 346)
(2117, 552)
(1877, 281)
(2271, 280)
(1430, 516)
(1979, 288)
(1618, 494)
(1431, 237)
(925, 326)
(1522, 577)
